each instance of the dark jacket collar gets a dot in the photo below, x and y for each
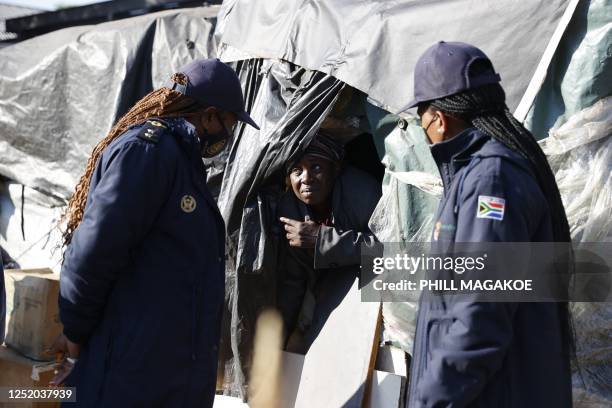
(450, 155)
(185, 132)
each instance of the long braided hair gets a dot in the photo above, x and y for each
(485, 109)
(163, 102)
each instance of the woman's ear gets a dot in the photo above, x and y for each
(287, 183)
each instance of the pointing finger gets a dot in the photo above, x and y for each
(289, 221)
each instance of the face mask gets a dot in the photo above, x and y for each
(426, 129)
(215, 143)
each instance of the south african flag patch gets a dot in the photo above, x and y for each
(491, 207)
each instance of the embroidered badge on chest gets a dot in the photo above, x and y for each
(188, 204)
(491, 208)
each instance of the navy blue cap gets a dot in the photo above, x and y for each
(213, 83)
(444, 70)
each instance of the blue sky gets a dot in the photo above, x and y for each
(48, 4)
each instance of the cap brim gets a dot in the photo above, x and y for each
(244, 117)
(411, 105)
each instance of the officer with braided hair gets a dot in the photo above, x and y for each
(143, 278)
(470, 353)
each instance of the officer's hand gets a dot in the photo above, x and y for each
(301, 234)
(66, 354)
(63, 346)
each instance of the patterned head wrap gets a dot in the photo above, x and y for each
(325, 147)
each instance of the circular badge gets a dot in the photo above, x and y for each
(188, 204)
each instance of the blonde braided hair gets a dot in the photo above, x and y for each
(163, 102)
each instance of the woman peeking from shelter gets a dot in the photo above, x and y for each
(325, 214)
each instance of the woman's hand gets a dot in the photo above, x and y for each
(301, 234)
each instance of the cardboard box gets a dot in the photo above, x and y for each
(17, 371)
(32, 315)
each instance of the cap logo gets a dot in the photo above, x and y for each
(188, 204)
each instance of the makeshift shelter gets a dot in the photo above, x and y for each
(296, 60)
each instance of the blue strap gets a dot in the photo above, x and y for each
(179, 88)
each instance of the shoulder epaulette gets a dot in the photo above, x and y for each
(152, 130)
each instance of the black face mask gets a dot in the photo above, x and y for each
(215, 143)
(427, 139)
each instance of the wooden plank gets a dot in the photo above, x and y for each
(224, 401)
(341, 358)
(292, 366)
(17, 371)
(387, 390)
(392, 360)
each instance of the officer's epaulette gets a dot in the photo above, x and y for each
(152, 130)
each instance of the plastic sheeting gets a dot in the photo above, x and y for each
(581, 71)
(580, 153)
(29, 226)
(373, 46)
(405, 213)
(289, 103)
(60, 93)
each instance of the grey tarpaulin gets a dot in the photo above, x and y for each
(374, 45)
(28, 226)
(61, 92)
(581, 71)
(289, 103)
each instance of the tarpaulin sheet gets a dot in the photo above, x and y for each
(373, 46)
(581, 71)
(61, 92)
(29, 229)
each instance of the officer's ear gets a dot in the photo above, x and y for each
(448, 126)
(441, 123)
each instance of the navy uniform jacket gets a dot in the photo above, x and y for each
(488, 354)
(142, 284)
